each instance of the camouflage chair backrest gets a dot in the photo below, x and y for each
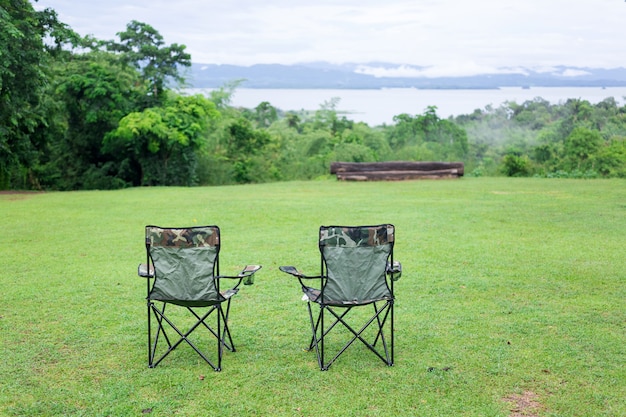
(183, 238)
(349, 236)
(185, 262)
(356, 260)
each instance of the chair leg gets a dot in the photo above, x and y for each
(392, 331)
(315, 342)
(225, 332)
(381, 327)
(162, 319)
(159, 314)
(313, 328)
(149, 336)
(219, 338)
(227, 329)
(387, 308)
(380, 318)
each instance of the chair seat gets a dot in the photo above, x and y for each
(313, 294)
(226, 294)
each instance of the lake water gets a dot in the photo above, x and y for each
(376, 107)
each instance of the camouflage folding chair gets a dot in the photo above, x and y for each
(182, 269)
(357, 270)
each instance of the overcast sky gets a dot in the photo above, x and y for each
(450, 37)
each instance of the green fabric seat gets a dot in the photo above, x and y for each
(357, 270)
(182, 269)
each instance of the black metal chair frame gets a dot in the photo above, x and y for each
(160, 317)
(156, 311)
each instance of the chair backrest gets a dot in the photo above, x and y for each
(185, 264)
(355, 261)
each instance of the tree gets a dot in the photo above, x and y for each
(223, 96)
(23, 62)
(162, 143)
(265, 114)
(515, 164)
(96, 93)
(580, 147)
(429, 134)
(534, 114)
(326, 116)
(21, 80)
(404, 132)
(243, 142)
(574, 113)
(143, 47)
(611, 158)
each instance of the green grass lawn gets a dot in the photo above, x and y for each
(510, 287)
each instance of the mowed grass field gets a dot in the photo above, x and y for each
(512, 301)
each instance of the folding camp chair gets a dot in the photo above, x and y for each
(357, 270)
(182, 269)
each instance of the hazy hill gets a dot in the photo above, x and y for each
(324, 75)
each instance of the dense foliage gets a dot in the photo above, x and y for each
(571, 139)
(81, 113)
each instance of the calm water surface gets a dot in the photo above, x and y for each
(376, 107)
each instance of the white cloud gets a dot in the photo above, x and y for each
(574, 73)
(457, 70)
(429, 33)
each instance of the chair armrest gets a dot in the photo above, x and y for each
(394, 270)
(144, 271)
(291, 270)
(246, 274)
(249, 270)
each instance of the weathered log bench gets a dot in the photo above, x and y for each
(395, 170)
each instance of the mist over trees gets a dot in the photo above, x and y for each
(83, 113)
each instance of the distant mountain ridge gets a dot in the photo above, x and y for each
(362, 76)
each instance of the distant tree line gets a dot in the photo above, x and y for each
(574, 139)
(83, 113)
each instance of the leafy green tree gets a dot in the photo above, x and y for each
(442, 138)
(96, 92)
(223, 96)
(515, 164)
(572, 114)
(293, 120)
(161, 144)
(405, 132)
(534, 114)
(24, 58)
(358, 143)
(580, 148)
(265, 114)
(244, 142)
(326, 118)
(143, 47)
(611, 158)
